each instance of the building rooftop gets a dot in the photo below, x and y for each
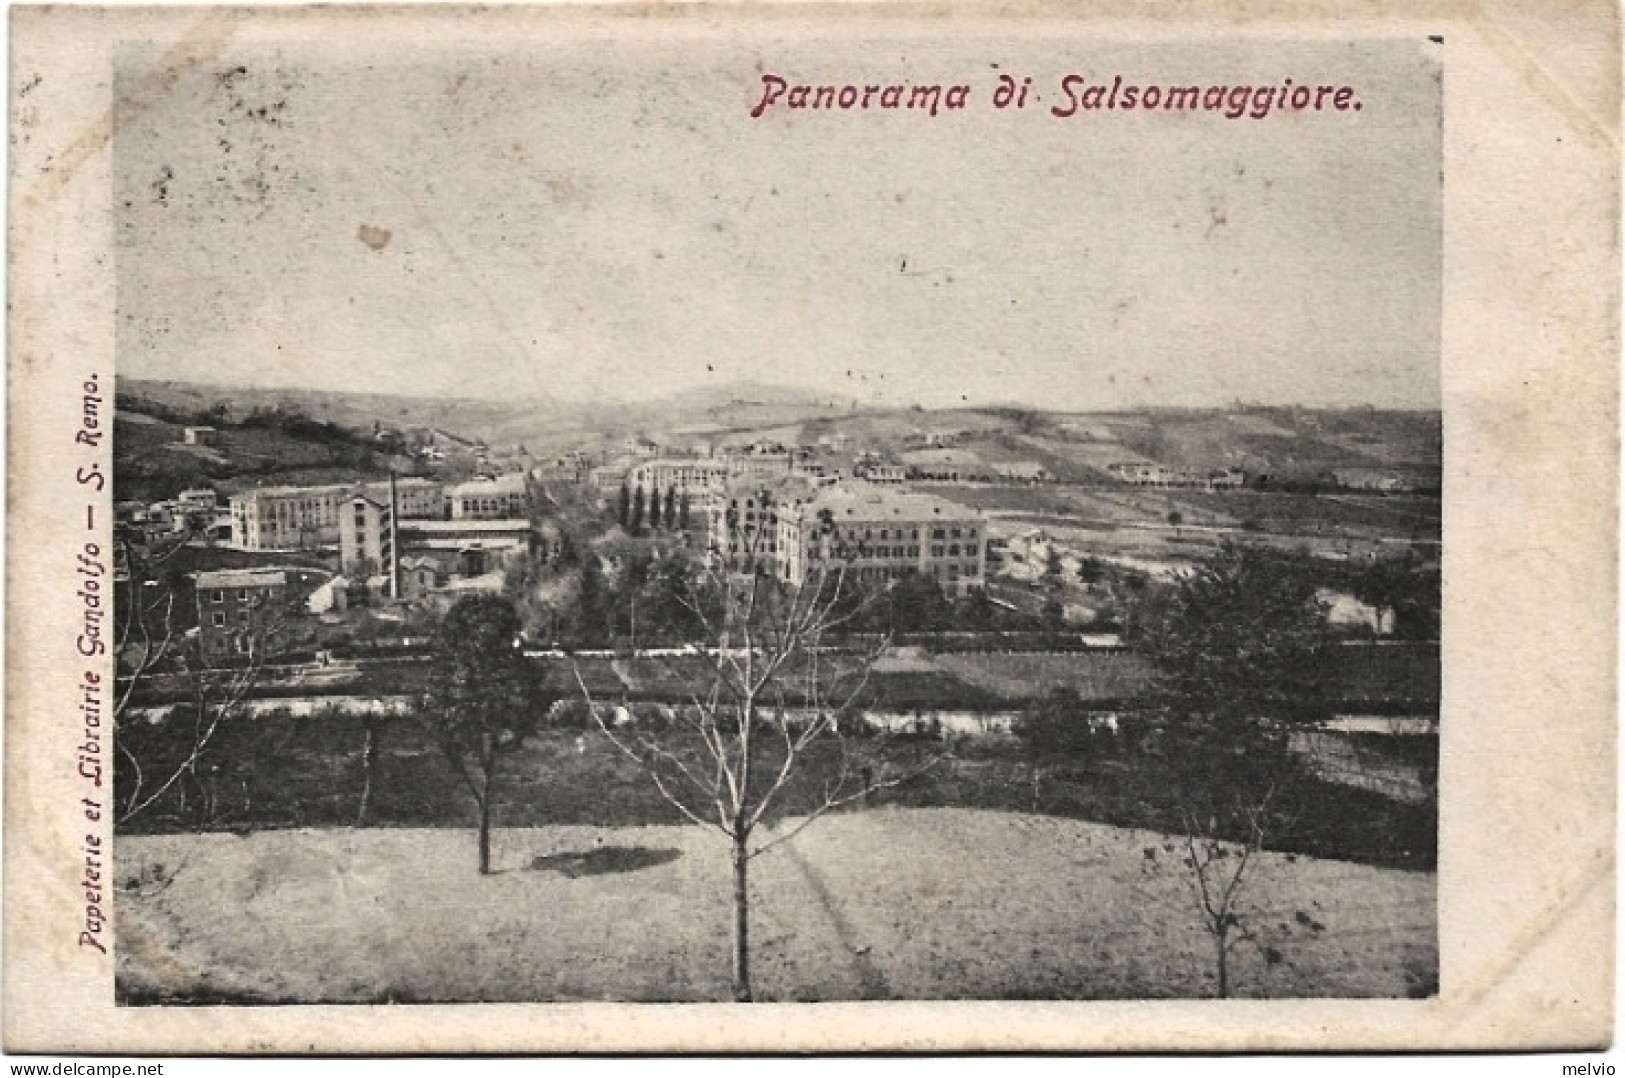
(781, 489)
(682, 462)
(490, 582)
(406, 482)
(512, 483)
(877, 503)
(462, 527)
(242, 578)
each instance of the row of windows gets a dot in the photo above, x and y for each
(881, 572)
(490, 505)
(851, 534)
(861, 551)
(218, 595)
(938, 550)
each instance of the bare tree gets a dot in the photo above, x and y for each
(372, 724)
(1218, 873)
(152, 648)
(767, 721)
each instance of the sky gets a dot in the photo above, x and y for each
(583, 216)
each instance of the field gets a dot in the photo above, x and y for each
(885, 904)
(1392, 678)
(1095, 676)
(284, 772)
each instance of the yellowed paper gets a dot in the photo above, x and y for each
(604, 209)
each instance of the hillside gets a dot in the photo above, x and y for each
(1288, 444)
(151, 460)
(357, 411)
(542, 425)
(1292, 444)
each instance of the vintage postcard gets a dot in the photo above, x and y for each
(597, 528)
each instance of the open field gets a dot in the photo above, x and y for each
(885, 904)
(1393, 677)
(1094, 676)
(286, 771)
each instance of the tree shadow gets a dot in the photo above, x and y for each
(603, 860)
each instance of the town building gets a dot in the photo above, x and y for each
(695, 475)
(366, 538)
(419, 555)
(608, 478)
(876, 534)
(441, 538)
(760, 462)
(306, 518)
(943, 465)
(744, 522)
(641, 448)
(936, 439)
(130, 512)
(879, 472)
(240, 612)
(1146, 474)
(810, 468)
(199, 500)
(505, 497)
(420, 576)
(1020, 471)
(201, 436)
(332, 597)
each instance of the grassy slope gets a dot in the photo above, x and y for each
(151, 461)
(914, 904)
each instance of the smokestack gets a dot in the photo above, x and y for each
(394, 539)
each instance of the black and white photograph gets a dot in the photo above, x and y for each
(594, 529)
(763, 523)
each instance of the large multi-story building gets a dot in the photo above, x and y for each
(759, 463)
(366, 539)
(694, 476)
(507, 497)
(876, 533)
(607, 478)
(744, 522)
(304, 518)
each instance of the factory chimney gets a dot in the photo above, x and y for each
(394, 539)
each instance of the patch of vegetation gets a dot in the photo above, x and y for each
(281, 771)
